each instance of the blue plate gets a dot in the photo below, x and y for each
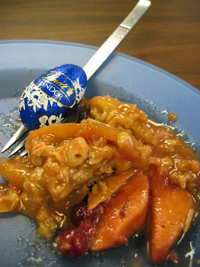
(152, 89)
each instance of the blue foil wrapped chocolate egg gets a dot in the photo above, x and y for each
(53, 96)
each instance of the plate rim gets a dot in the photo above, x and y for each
(95, 48)
(121, 55)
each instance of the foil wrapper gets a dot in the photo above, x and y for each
(53, 96)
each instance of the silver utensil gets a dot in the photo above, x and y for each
(89, 69)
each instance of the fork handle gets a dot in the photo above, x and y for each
(116, 38)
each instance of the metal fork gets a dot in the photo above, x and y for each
(95, 62)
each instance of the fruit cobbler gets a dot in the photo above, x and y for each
(92, 185)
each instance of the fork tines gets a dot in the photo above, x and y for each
(18, 134)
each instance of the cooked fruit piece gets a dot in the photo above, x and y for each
(15, 171)
(172, 210)
(124, 214)
(72, 243)
(89, 130)
(102, 191)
